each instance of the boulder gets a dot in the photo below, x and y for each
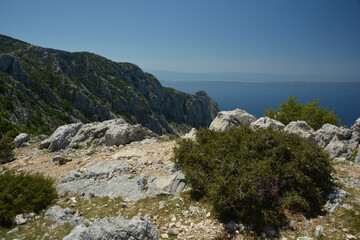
(303, 130)
(343, 133)
(116, 228)
(61, 138)
(126, 133)
(64, 215)
(228, 119)
(356, 126)
(112, 132)
(326, 133)
(23, 218)
(265, 122)
(190, 135)
(166, 185)
(20, 139)
(40, 138)
(337, 149)
(58, 214)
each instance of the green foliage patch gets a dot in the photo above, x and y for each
(254, 176)
(312, 113)
(23, 193)
(8, 44)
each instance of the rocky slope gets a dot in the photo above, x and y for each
(134, 190)
(41, 89)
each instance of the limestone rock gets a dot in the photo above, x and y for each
(303, 130)
(167, 185)
(265, 122)
(356, 126)
(40, 138)
(326, 133)
(190, 135)
(116, 228)
(337, 149)
(343, 133)
(64, 215)
(58, 214)
(20, 139)
(228, 119)
(23, 218)
(61, 138)
(357, 157)
(127, 187)
(335, 198)
(114, 179)
(106, 169)
(318, 230)
(112, 132)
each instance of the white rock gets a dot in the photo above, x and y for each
(228, 119)
(356, 126)
(20, 139)
(190, 135)
(303, 130)
(318, 230)
(326, 133)
(115, 228)
(265, 122)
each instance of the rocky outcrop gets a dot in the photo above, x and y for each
(326, 133)
(228, 119)
(64, 215)
(341, 143)
(303, 130)
(61, 138)
(116, 228)
(116, 179)
(265, 122)
(86, 87)
(112, 132)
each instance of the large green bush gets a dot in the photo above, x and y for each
(23, 193)
(254, 176)
(312, 113)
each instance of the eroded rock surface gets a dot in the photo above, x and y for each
(116, 228)
(228, 119)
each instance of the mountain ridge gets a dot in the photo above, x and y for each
(45, 88)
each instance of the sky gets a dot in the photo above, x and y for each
(300, 37)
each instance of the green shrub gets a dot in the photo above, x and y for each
(23, 193)
(6, 149)
(312, 113)
(253, 176)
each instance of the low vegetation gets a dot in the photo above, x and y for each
(255, 176)
(312, 113)
(23, 193)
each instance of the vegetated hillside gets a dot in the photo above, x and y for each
(42, 88)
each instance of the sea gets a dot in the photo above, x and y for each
(254, 97)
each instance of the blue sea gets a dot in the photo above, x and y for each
(343, 98)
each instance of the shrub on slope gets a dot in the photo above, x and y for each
(254, 176)
(23, 193)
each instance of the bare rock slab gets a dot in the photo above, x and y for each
(116, 228)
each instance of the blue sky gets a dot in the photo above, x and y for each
(301, 37)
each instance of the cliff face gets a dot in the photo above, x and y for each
(45, 88)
